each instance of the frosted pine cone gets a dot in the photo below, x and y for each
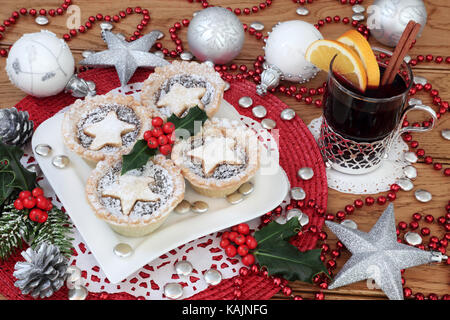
(43, 273)
(15, 127)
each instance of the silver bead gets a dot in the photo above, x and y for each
(405, 184)
(357, 8)
(106, 26)
(227, 86)
(407, 58)
(34, 168)
(246, 188)
(413, 238)
(293, 213)
(411, 157)
(87, 53)
(305, 173)
(268, 123)
(235, 198)
(186, 56)
(183, 207)
(123, 250)
(213, 277)
(303, 219)
(258, 26)
(410, 172)
(80, 88)
(245, 102)
(414, 101)
(445, 133)
(287, 114)
(302, 11)
(160, 34)
(173, 290)
(358, 17)
(259, 111)
(423, 195)
(420, 80)
(280, 220)
(74, 273)
(297, 193)
(77, 293)
(43, 150)
(183, 268)
(199, 207)
(61, 161)
(159, 54)
(349, 224)
(41, 20)
(209, 63)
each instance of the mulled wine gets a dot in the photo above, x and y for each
(364, 116)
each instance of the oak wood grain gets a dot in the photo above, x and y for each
(435, 40)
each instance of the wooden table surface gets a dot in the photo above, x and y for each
(435, 40)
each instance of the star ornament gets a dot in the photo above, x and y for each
(179, 99)
(108, 132)
(125, 56)
(377, 255)
(215, 151)
(130, 189)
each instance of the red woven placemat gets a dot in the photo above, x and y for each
(297, 149)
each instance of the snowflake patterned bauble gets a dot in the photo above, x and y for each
(40, 64)
(215, 34)
(285, 54)
(387, 19)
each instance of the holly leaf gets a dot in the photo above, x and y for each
(282, 258)
(138, 157)
(192, 122)
(6, 180)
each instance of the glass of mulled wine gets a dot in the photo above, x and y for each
(359, 127)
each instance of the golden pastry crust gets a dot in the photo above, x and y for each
(81, 108)
(134, 226)
(210, 186)
(156, 80)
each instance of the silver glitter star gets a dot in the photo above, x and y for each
(125, 56)
(377, 255)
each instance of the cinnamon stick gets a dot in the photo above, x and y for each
(409, 35)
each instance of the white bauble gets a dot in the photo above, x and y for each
(215, 34)
(388, 18)
(40, 64)
(286, 47)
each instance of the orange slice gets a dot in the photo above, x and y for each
(347, 62)
(357, 42)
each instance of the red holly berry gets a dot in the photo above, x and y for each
(162, 140)
(42, 217)
(230, 251)
(24, 194)
(168, 127)
(165, 149)
(232, 236)
(157, 122)
(18, 204)
(37, 192)
(34, 214)
(42, 202)
(248, 260)
(147, 135)
(49, 206)
(29, 202)
(243, 228)
(172, 138)
(152, 143)
(251, 242)
(242, 250)
(156, 132)
(240, 239)
(224, 243)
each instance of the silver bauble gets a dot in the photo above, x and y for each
(388, 18)
(215, 34)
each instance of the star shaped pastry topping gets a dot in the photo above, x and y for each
(377, 255)
(129, 189)
(108, 132)
(126, 56)
(215, 151)
(179, 99)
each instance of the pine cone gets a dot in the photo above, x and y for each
(43, 273)
(15, 126)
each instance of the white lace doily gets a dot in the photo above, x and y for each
(374, 182)
(148, 282)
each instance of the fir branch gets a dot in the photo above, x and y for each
(56, 230)
(14, 226)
